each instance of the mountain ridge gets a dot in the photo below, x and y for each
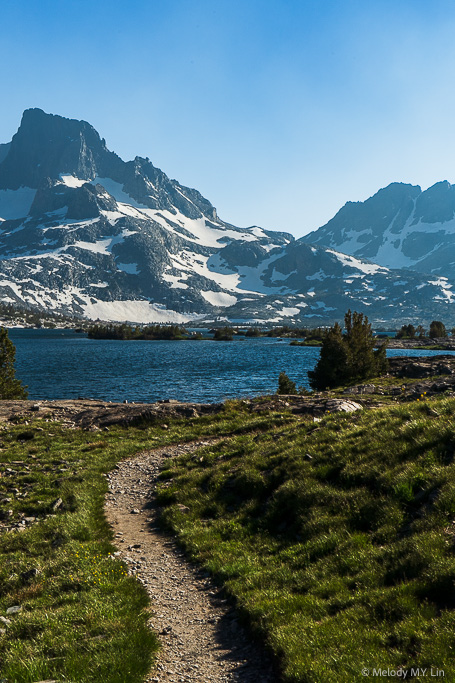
(83, 232)
(400, 226)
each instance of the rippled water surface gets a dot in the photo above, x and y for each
(63, 364)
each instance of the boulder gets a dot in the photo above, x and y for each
(341, 406)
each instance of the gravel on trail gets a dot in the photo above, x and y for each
(201, 637)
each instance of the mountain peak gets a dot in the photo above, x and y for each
(36, 120)
(47, 145)
(400, 226)
(83, 231)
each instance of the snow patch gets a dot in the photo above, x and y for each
(98, 247)
(220, 299)
(133, 311)
(443, 283)
(71, 180)
(277, 275)
(175, 280)
(320, 275)
(256, 230)
(289, 311)
(116, 190)
(103, 246)
(200, 232)
(363, 266)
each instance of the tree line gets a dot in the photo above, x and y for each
(436, 330)
(126, 332)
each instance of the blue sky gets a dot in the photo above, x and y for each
(278, 111)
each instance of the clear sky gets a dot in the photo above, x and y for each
(277, 111)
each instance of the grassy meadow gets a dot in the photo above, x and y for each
(82, 618)
(335, 539)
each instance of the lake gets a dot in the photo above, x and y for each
(57, 364)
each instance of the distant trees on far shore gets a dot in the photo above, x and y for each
(436, 330)
(311, 336)
(126, 332)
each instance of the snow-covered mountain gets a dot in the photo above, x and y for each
(83, 232)
(399, 227)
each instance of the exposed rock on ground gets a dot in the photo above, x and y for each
(304, 405)
(94, 414)
(423, 366)
(447, 342)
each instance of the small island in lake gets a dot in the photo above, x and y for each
(149, 333)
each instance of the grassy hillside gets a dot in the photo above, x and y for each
(82, 618)
(79, 609)
(337, 538)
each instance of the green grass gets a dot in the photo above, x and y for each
(336, 540)
(83, 618)
(310, 342)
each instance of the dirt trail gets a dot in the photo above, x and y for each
(201, 638)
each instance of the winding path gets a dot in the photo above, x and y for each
(202, 640)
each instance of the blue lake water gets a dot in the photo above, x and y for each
(57, 364)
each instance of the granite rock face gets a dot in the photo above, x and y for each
(85, 233)
(400, 226)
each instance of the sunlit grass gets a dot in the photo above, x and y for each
(82, 618)
(336, 540)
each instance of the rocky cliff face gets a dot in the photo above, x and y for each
(47, 145)
(86, 233)
(399, 227)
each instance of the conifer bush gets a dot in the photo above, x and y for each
(10, 387)
(437, 329)
(349, 357)
(286, 385)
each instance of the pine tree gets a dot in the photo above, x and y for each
(331, 369)
(363, 360)
(437, 329)
(286, 385)
(420, 330)
(10, 388)
(406, 332)
(224, 334)
(350, 357)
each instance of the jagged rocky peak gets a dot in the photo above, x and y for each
(436, 205)
(154, 189)
(400, 226)
(82, 231)
(47, 145)
(391, 204)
